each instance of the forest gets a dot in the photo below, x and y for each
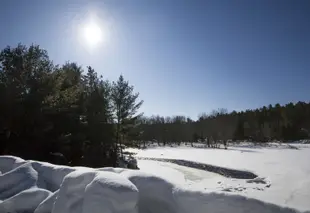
(48, 108)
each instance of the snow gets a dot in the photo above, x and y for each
(47, 204)
(25, 201)
(16, 180)
(219, 203)
(91, 191)
(283, 171)
(181, 176)
(39, 187)
(156, 194)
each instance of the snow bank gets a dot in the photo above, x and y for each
(7, 163)
(25, 201)
(110, 192)
(51, 175)
(47, 205)
(17, 180)
(93, 191)
(30, 186)
(155, 194)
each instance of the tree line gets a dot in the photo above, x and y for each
(48, 109)
(282, 123)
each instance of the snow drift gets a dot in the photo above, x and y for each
(31, 186)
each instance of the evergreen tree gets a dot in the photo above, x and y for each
(50, 111)
(98, 117)
(125, 105)
(24, 79)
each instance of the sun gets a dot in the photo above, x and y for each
(92, 34)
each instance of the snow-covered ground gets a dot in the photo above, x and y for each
(162, 187)
(283, 171)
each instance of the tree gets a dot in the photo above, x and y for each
(98, 120)
(62, 108)
(48, 109)
(125, 106)
(25, 76)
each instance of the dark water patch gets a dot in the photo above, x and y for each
(229, 173)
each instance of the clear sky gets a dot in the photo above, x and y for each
(183, 56)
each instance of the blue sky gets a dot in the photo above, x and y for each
(184, 57)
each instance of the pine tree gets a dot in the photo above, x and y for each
(125, 106)
(24, 79)
(98, 117)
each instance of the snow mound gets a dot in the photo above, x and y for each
(93, 191)
(47, 205)
(31, 186)
(155, 193)
(25, 201)
(110, 192)
(17, 180)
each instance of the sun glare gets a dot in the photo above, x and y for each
(92, 34)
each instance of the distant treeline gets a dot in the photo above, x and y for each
(285, 123)
(50, 111)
